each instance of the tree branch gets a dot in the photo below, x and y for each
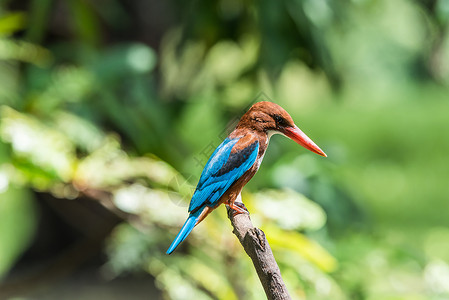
(256, 246)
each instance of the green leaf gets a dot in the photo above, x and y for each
(11, 23)
(290, 210)
(17, 225)
(298, 243)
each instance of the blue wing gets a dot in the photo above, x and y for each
(221, 171)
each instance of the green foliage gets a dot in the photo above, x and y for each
(17, 223)
(131, 127)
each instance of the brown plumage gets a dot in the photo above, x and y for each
(229, 169)
(259, 123)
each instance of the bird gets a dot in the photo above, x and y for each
(237, 159)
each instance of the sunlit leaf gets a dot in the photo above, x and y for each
(24, 51)
(12, 22)
(41, 145)
(290, 210)
(297, 242)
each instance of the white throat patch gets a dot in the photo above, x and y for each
(270, 133)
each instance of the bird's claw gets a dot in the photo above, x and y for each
(237, 208)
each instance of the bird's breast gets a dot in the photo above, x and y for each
(258, 161)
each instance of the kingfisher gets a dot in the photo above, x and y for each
(237, 159)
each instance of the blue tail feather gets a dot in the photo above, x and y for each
(184, 232)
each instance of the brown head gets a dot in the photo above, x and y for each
(270, 118)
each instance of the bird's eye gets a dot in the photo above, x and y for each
(280, 120)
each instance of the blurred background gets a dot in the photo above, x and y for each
(109, 110)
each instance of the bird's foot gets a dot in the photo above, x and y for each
(237, 208)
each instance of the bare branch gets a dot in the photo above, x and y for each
(256, 246)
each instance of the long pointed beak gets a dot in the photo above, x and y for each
(298, 136)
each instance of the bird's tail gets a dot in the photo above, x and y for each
(184, 232)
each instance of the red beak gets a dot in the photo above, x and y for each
(298, 136)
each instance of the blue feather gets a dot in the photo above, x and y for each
(220, 172)
(185, 231)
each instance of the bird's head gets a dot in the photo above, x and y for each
(270, 118)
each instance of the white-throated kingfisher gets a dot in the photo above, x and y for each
(236, 161)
